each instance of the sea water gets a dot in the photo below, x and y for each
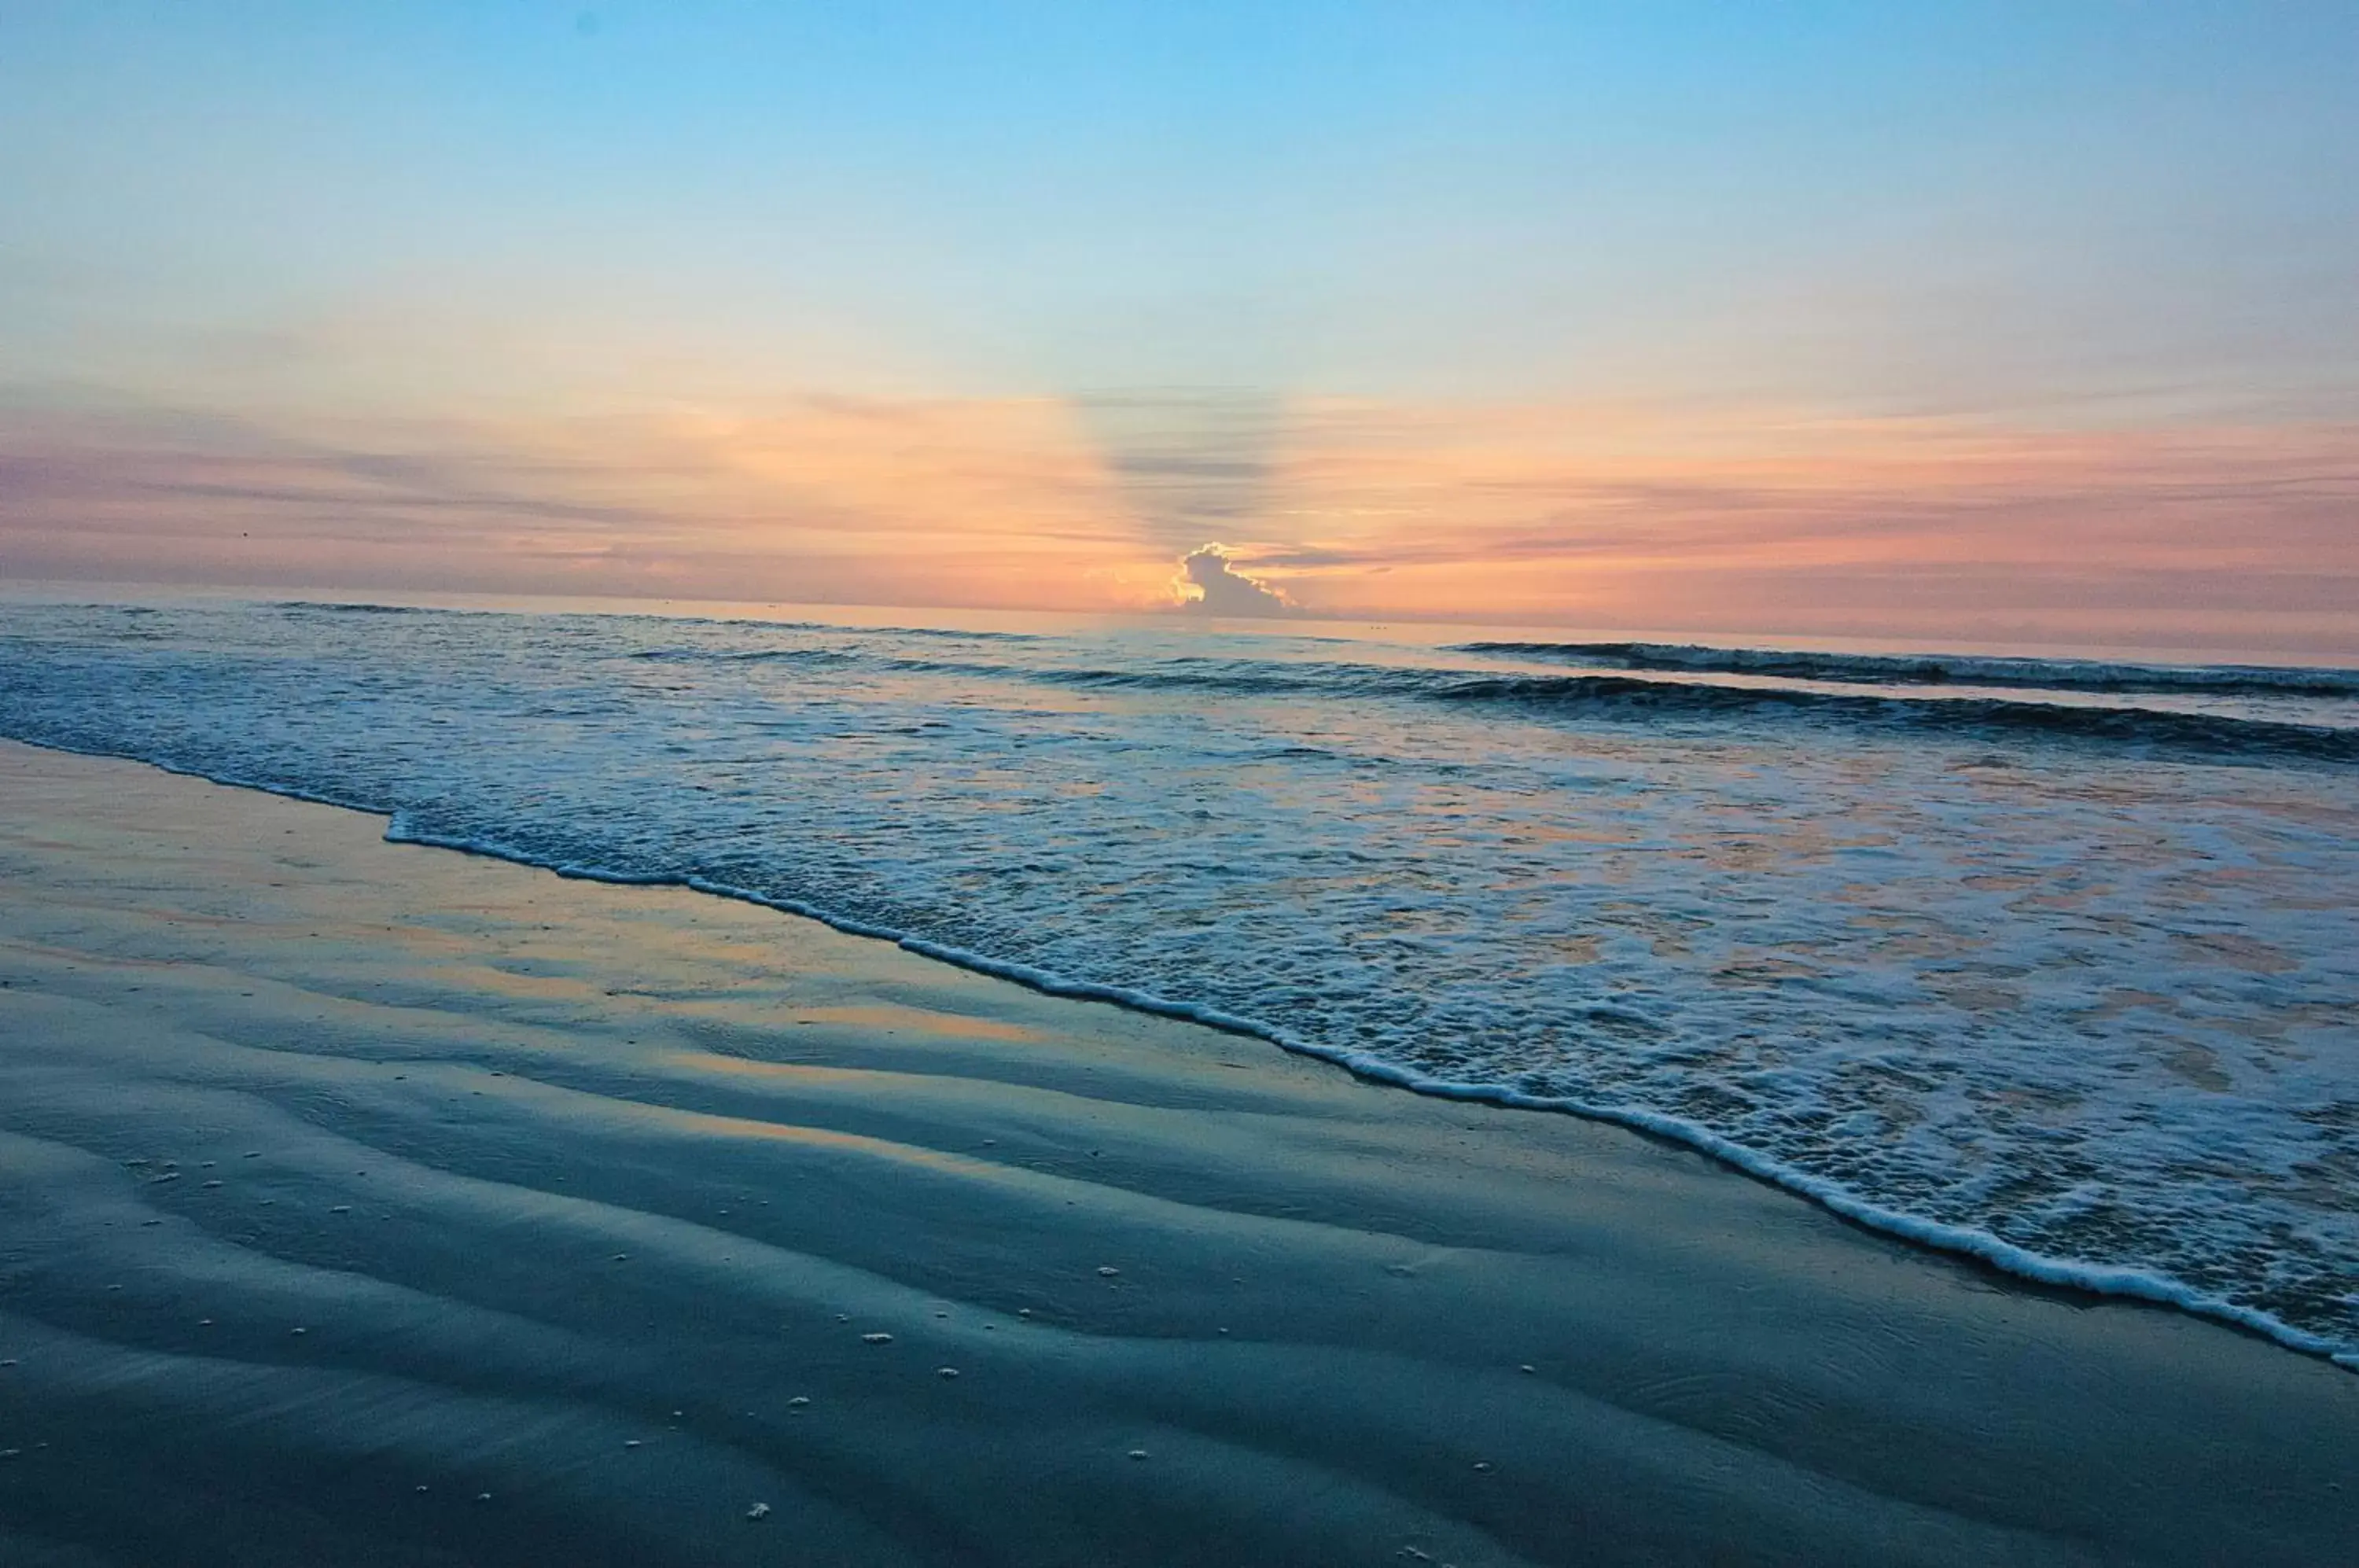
(2054, 962)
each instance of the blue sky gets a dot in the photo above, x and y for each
(1867, 203)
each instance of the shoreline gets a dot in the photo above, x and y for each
(574, 1189)
(2108, 1281)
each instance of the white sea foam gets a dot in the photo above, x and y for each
(2073, 1000)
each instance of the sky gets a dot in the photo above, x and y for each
(2030, 322)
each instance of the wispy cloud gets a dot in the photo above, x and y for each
(1609, 516)
(1187, 462)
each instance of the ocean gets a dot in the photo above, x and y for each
(2051, 962)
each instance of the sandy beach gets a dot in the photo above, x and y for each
(372, 1205)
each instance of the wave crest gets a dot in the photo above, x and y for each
(1940, 670)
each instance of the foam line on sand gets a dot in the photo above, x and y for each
(632, 1226)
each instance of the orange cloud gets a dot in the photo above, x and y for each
(1611, 516)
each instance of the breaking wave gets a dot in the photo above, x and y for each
(1941, 670)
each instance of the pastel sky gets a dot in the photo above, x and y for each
(2032, 321)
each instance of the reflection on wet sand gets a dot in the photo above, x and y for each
(447, 1212)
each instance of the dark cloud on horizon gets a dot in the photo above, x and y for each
(1227, 592)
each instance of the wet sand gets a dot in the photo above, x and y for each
(364, 1205)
